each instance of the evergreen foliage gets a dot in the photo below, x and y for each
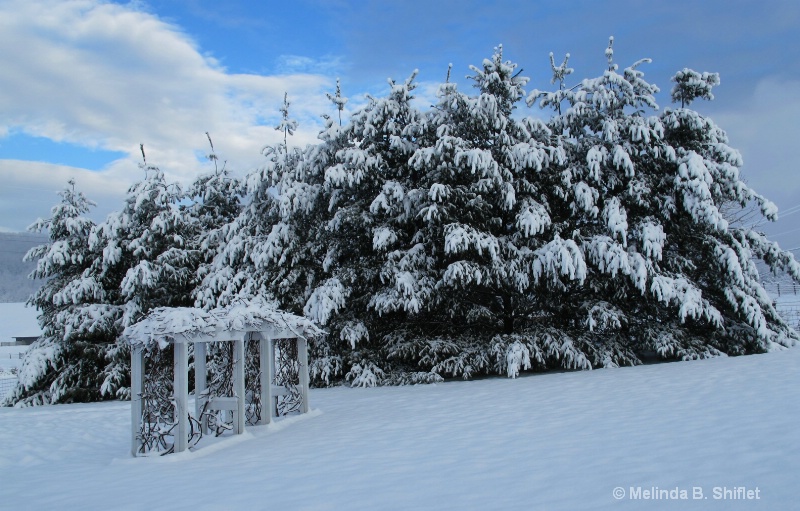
(468, 239)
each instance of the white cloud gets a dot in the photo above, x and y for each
(290, 64)
(30, 189)
(109, 76)
(765, 130)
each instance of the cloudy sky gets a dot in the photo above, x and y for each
(84, 82)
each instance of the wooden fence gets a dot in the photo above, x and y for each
(6, 385)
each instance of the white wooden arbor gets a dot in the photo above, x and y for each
(180, 326)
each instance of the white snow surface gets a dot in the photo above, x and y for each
(558, 441)
(16, 320)
(178, 324)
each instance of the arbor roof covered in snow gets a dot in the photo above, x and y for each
(166, 325)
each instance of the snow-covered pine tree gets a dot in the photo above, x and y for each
(275, 247)
(214, 200)
(147, 261)
(483, 222)
(706, 188)
(262, 253)
(144, 264)
(370, 198)
(640, 196)
(60, 367)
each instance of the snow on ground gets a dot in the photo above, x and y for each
(789, 307)
(16, 320)
(10, 357)
(557, 441)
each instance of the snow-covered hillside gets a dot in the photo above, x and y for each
(15, 286)
(552, 441)
(17, 320)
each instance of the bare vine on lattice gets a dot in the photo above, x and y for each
(252, 382)
(287, 375)
(220, 364)
(156, 429)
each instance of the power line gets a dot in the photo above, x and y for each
(784, 232)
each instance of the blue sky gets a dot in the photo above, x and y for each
(84, 82)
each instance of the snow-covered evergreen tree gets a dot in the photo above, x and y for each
(214, 200)
(640, 196)
(147, 261)
(262, 253)
(59, 366)
(115, 272)
(467, 269)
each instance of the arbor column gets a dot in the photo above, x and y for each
(200, 383)
(273, 400)
(181, 389)
(238, 384)
(137, 388)
(302, 361)
(265, 373)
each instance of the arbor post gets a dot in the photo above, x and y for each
(265, 373)
(273, 400)
(181, 388)
(200, 383)
(302, 361)
(137, 389)
(238, 384)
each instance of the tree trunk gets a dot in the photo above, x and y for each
(508, 315)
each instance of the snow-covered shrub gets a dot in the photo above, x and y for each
(365, 374)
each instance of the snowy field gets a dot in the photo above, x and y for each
(558, 441)
(15, 320)
(789, 307)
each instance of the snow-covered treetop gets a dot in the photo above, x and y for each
(690, 85)
(497, 78)
(560, 72)
(338, 100)
(166, 325)
(287, 125)
(66, 216)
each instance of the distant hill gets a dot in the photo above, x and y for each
(15, 286)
